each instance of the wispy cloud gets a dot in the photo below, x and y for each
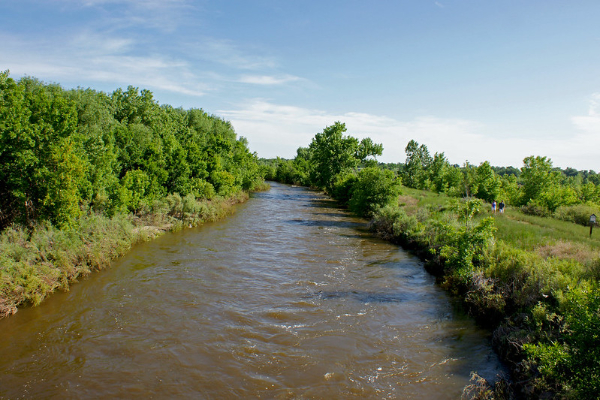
(162, 15)
(590, 124)
(96, 58)
(278, 130)
(129, 42)
(226, 52)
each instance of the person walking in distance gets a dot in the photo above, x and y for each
(501, 207)
(494, 206)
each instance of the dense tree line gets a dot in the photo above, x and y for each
(537, 187)
(65, 152)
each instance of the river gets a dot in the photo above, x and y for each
(289, 298)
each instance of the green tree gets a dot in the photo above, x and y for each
(466, 244)
(438, 173)
(487, 184)
(41, 153)
(133, 189)
(415, 173)
(537, 176)
(374, 188)
(96, 124)
(509, 189)
(331, 153)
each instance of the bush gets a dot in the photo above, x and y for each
(579, 214)
(568, 360)
(533, 208)
(34, 264)
(203, 189)
(373, 189)
(342, 187)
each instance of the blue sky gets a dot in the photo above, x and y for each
(480, 80)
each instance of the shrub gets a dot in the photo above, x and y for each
(568, 361)
(203, 189)
(579, 214)
(342, 187)
(374, 188)
(534, 208)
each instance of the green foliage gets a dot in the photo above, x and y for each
(487, 184)
(467, 243)
(41, 163)
(556, 196)
(33, 264)
(374, 188)
(538, 188)
(343, 187)
(579, 213)
(537, 177)
(509, 189)
(418, 160)
(569, 360)
(440, 173)
(331, 153)
(64, 151)
(133, 189)
(286, 171)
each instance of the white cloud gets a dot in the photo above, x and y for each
(96, 44)
(278, 130)
(163, 15)
(97, 58)
(585, 144)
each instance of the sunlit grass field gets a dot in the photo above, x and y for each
(545, 235)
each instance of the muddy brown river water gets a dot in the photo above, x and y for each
(289, 298)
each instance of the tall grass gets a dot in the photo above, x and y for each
(35, 262)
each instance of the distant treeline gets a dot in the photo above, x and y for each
(66, 152)
(537, 187)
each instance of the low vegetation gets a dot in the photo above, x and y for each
(37, 261)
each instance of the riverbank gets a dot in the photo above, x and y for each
(532, 281)
(38, 261)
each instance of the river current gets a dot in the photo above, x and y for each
(289, 298)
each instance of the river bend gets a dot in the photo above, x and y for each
(289, 298)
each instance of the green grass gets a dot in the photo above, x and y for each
(545, 235)
(35, 262)
(529, 232)
(423, 198)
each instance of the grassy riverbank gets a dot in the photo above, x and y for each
(35, 262)
(532, 280)
(85, 174)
